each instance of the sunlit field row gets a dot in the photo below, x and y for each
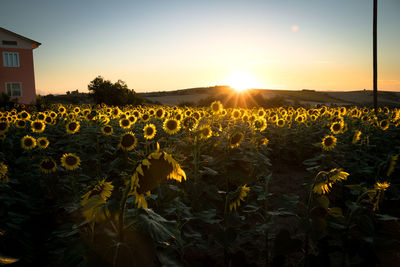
(179, 186)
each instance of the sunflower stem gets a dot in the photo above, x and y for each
(196, 159)
(122, 211)
(266, 218)
(98, 164)
(307, 240)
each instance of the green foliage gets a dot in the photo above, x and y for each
(117, 94)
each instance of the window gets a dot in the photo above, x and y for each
(14, 89)
(10, 59)
(5, 42)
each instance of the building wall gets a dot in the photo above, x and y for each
(21, 43)
(23, 74)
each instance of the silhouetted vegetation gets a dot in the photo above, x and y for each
(118, 93)
(6, 101)
(74, 97)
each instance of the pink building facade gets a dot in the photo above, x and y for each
(17, 77)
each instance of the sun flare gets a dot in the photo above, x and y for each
(241, 80)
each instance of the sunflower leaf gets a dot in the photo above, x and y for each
(159, 229)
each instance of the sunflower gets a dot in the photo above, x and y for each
(205, 131)
(158, 166)
(2, 136)
(136, 113)
(115, 112)
(189, 123)
(132, 119)
(355, 113)
(28, 142)
(171, 126)
(72, 127)
(42, 142)
(160, 113)
(280, 122)
(3, 169)
(238, 196)
(128, 141)
(77, 110)
(102, 189)
(375, 194)
(188, 112)
(38, 126)
(103, 119)
(260, 124)
(124, 124)
(149, 131)
(3, 172)
(265, 141)
(107, 130)
(145, 117)
(70, 161)
(179, 116)
(384, 124)
(235, 139)
(216, 107)
(20, 123)
(328, 142)
(48, 165)
(4, 125)
(381, 186)
(90, 116)
(365, 118)
(86, 111)
(196, 115)
(325, 180)
(61, 109)
(300, 119)
(48, 120)
(71, 116)
(41, 116)
(386, 110)
(53, 115)
(356, 137)
(273, 118)
(337, 127)
(25, 115)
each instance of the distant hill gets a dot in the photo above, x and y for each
(193, 96)
(203, 96)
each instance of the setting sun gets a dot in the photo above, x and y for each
(241, 81)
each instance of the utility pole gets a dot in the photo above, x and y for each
(375, 64)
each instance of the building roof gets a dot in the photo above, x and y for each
(34, 43)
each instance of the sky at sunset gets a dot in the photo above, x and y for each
(168, 45)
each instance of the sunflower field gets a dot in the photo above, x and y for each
(177, 186)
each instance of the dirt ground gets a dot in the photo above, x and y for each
(172, 100)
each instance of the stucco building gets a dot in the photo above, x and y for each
(17, 78)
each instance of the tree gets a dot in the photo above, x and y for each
(104, 91)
